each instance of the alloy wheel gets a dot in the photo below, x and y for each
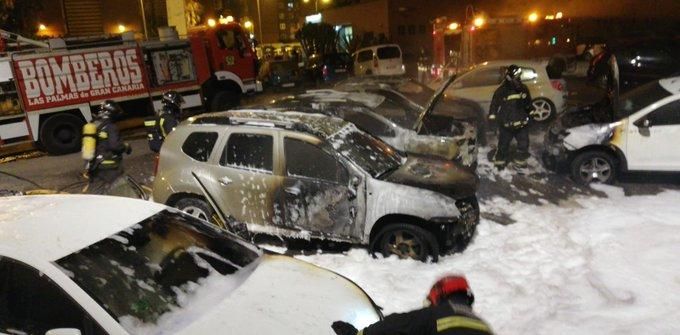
(196, 212)
(542, 110)
(404, 245)
(596, 169)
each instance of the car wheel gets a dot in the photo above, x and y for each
(196, 208)
(544, 109)
(593, 167)
(225, 100)
(469, 218)
(61, 134)
(407, 241)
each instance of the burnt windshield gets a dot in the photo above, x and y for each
(371, 154)
(639, 98)
(150, 275)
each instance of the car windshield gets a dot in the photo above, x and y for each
(371, 154)
(158, 275)
(396, 108)
(639, 98)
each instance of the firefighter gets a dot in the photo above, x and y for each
(511, 108)
(165, 122)
(104, 155)
(448, 311)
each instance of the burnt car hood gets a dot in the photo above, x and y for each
(439, 175)
(600, 112)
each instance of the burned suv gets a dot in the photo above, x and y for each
(441, 137)
(308, 176)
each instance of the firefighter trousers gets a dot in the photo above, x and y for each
(505, 137)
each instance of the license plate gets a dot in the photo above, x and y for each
(288, 85)
(340, 70)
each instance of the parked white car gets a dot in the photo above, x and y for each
(638, 133)
(548, 90)
(76, 264)
(379, 60)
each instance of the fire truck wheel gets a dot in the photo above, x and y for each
(60, 134)
(225, 100)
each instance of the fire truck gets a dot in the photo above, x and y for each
(47, 93)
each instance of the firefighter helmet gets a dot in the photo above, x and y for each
(173, 98)
(448, 286)
(107, 109)
(513, 72)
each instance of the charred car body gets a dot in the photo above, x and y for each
(410, 94)
(442, 137)
(308, 176)
(638, 132)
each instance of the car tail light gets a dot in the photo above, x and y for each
(557, 84)
(155, 164)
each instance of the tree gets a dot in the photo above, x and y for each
(317, 38)
(19, 16)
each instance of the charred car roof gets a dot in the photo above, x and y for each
(319, 125)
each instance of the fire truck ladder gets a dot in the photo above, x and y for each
(20, 39)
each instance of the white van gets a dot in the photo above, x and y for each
(383, 60)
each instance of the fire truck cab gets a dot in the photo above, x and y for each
(47, 94)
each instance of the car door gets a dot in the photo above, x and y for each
(31, 303)
(317, 192)
(364, 62)
(652, 139)
(244, 181)
(478, 85)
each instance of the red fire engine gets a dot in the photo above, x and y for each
(47, 94)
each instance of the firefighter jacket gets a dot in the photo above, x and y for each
(167, 121)
(511, 105)
(157, 128)
(110, 148)
(447, 318)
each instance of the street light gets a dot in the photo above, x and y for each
(248, 25)
(479, 21)
(453, 26)
(121, 28)
(533, 17)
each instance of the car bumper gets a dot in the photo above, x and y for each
(554, 155)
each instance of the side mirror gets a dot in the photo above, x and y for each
(643, 123)
(63, 331)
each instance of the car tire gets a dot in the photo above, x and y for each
(407, 241)
(469, 209)
(61, 134)
(225, 100)
(197, 208)
(593, 167)
(544, 108)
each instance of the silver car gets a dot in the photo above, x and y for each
(308, 176)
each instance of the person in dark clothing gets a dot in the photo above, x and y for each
(106, 166)
(511, 108)
(166, 121)
(449, 313)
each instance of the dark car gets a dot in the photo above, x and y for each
(643, 61)
(281, 73)
(329, 67)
